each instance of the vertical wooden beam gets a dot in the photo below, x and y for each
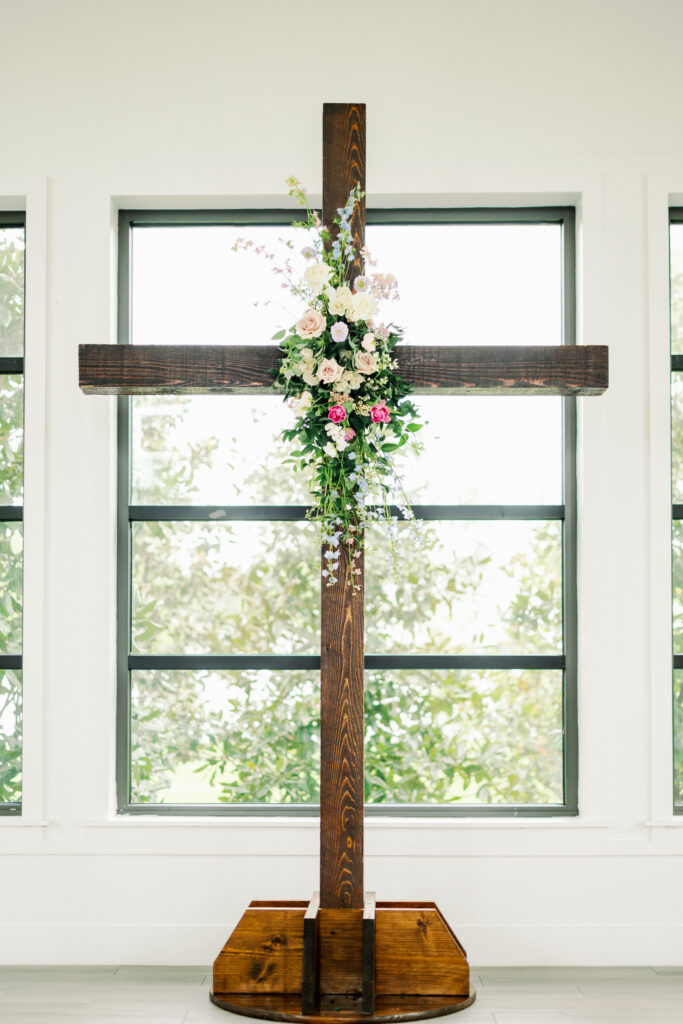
(368, 992)
(309, 964)
(344, 167)
(341, 663)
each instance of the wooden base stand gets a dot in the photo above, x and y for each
(295, 961)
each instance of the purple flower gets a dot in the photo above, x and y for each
(339, 331)
(309, 252)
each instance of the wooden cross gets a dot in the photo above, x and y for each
(328, 950)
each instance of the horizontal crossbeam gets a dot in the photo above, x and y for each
(248, 369)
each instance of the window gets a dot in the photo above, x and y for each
(11, 494)
(676, 258)
(470, 654)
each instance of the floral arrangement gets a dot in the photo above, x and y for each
(340, 381)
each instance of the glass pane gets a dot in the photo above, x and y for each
(676, 235)
(678, 738)
(677, 437)
(10, 736)
(677, 584)
(486, 451)
(213, 450)
(190, 288)
(11, 546)
(473, 284)
(225, 737)
(492, 737)
(466, 587)
(11, 438)
(11, 291)
(431, 737)
(226, 588)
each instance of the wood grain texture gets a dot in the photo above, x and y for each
(341, 740)
(264, 952)
(340, 956)
(387, 1009)
(347, 1008)
(416, 951)
(343, 168)
(431, 369)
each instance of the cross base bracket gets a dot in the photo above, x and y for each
(289, 960)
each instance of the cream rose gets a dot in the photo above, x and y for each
(329, 371)
(363, 306)
(365, 362)
(341, 300)
(316, 276)
(352, 380)
(311, 325)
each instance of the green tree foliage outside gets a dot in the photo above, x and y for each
(11, 483)
(677, 495)
(253, 737)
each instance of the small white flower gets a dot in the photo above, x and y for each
(330, 450)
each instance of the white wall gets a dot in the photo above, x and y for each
(172, 102)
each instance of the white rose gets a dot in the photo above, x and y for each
(341, 300)
(311, 325)
(310, 378)
(329, 371)
(352, 380)
(363, 306)
(316, 276)
(302, 404)
(366, 362)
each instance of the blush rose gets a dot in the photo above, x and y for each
(329, 371)
(365, 362)
(311, 325)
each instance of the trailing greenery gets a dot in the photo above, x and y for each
(339, 377)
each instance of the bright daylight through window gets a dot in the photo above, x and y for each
(11, 496)
(470, 681)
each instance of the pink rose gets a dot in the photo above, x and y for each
(380, 413)
(311, 325)
(349, 434)
(337, 413)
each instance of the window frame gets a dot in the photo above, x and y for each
(565, 216)
(15, 513)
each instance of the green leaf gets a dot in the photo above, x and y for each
(278, 335)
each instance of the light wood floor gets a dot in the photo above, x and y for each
(179, 995)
